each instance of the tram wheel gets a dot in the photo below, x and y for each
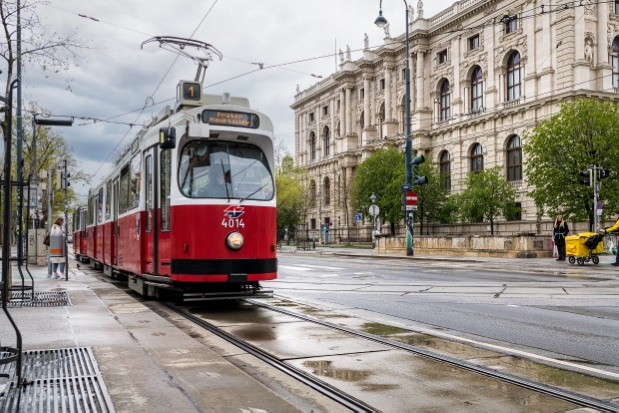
(572, 260)
(595, 259)
(581, 261)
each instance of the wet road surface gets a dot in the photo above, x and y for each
(567, 317)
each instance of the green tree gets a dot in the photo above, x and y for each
(431, 197)
(290, 194)
(487, 196)
(382, 174)
(584, 132)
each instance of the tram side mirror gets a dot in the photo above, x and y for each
(167, 138)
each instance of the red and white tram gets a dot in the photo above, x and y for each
(191, 206)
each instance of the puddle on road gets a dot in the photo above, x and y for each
(325, 368)
(578, 382)
(256, 333)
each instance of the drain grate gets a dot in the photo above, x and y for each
(40, 299)
(63, 380)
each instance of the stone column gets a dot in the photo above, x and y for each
(412, 77)
(348, 112)
(388, 115)
(366, 102)
(502, 98)
(419, 83)
(604, 68)
(342, 113)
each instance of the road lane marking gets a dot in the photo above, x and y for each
(290, 267)
(319, 266)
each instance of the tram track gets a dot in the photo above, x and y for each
(357, 405)
(566, 395)
(320, 386)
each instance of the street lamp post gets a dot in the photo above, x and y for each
(381, 22)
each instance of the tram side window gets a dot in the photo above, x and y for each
(89, 213)
(95, 202)
(148, 165)
(124, 190)
(136, 182)
(108, 200)
(166, 174)
(100, 206)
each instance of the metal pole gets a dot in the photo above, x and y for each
(595, 199)
(410, 250)
(34, 150)
(6, 229)
(20, 241)
(49, 215)
(66, 223)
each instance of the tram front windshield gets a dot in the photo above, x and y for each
(224, 170)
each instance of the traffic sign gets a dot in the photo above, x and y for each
(600, 212)
(405, 187)
(600, 205)
(358, 217)
(374, 210)
(411, 207)
(411, 198)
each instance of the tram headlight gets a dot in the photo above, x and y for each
(235, 241)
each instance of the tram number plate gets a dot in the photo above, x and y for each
(233, 223)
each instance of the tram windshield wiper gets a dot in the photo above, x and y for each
(243, 199)
(225, 183)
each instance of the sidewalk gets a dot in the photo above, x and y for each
(148, 364)
(538, 265)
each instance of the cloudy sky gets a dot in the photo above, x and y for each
(113, 76)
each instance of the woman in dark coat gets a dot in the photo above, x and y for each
(559, 233)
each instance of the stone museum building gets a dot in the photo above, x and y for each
(482, 73)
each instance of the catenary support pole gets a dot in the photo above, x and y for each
(19, 132)
(66, 222)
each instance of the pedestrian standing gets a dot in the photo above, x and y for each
(56, 248)
(610, 229)
(559, 233)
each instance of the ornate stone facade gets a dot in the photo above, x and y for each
(503, 78)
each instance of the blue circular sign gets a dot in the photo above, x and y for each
(358, 217)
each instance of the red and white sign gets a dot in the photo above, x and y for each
(411, 198)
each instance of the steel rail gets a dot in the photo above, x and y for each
(572, 397)
(326, 389)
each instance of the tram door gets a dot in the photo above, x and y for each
(115, 231)
(149, 236)
(158, 166)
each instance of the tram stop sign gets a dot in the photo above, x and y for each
(411, 198)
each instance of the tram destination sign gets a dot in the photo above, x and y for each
(228, 118)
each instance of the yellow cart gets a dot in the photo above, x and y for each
(576, 249)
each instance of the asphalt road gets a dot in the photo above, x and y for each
(566, 317)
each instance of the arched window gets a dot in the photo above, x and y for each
(615, 62)
(514, 78)
(327, 190)
(327, 142)
(477, 90)
(312, 146)
(312, 193)
(477, 158)
(514, 159)
(445, 101)
(445, 166)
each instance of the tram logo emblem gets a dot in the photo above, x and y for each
(234, 211)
